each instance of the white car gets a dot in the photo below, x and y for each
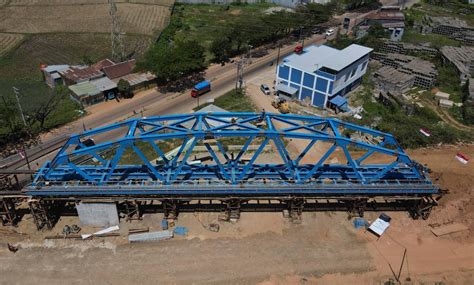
(265, 89)
(329, 32)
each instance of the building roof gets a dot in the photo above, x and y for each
(81, 73)
(387, 15)
(103, 84)
(338, 101)
(85, 88)
(136, 78)
(461, 57)
(471, 89)
(119, 69)
(447, 21)
(391, 75)
(285, 88)
(314, 57)
(56, 68)
(103, 63)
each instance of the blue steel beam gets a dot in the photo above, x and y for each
(258, 129)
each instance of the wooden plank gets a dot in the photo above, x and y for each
(448, 229)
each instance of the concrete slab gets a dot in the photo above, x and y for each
(98, 214)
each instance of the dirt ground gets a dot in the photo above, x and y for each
(265, 248)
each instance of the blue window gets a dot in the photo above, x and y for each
(325, 75)
(306, 93)
(330, 86)
(318, 99)
(284, 82)
(296, 76)
(284, 72)
(308, 80)
(321, 84)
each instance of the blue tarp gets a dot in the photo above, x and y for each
(182, 231)
(338, 101)
(202, 85)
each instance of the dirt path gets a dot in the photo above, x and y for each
(446, 117)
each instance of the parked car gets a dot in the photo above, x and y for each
(265, 89)
(329, 32)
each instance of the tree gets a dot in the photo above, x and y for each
(44, 110)
(221, 48)
(123, 87)
(172, 61)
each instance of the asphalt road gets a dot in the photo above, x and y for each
(154, 103)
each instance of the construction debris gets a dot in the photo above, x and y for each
(182, 231)
(101, 233)
(12, 248)
(214, 227)
(73, 229)
(136, 231)
(441, 230)
(151, 236)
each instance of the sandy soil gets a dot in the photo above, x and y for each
(264, 247)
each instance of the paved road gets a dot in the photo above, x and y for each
(154, 103)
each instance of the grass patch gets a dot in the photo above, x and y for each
(204, 22)
(436, 41)
(405, 129)
(232, 101)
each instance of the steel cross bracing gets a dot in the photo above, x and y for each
(104, 168)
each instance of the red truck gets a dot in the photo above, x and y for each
(201, 88)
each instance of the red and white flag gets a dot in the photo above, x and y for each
(462, 158)
(425, 132)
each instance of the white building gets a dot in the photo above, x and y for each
(322, 73)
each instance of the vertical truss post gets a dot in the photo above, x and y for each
(422, 207)
(45, 213)
(231, 212)
(170, 209)
(356, 207)
(8, 214)
(295, 209)
(132, 210)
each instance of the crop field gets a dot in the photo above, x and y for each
(80, 2)
(144, 19)
(9, 41)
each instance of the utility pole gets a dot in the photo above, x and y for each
(17, 93)
(278, 59)
(240, 73)
(118, 53)
(240, 64)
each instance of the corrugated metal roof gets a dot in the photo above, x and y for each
(285, 88)
(104, 84)
(81, 73)
(315, 57)
(84, 89)
(136, 78)
(119, 69)
(56, 68)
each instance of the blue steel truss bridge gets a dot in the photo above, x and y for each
(228, 161)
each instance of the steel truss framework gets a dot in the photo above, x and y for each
(100, 170)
